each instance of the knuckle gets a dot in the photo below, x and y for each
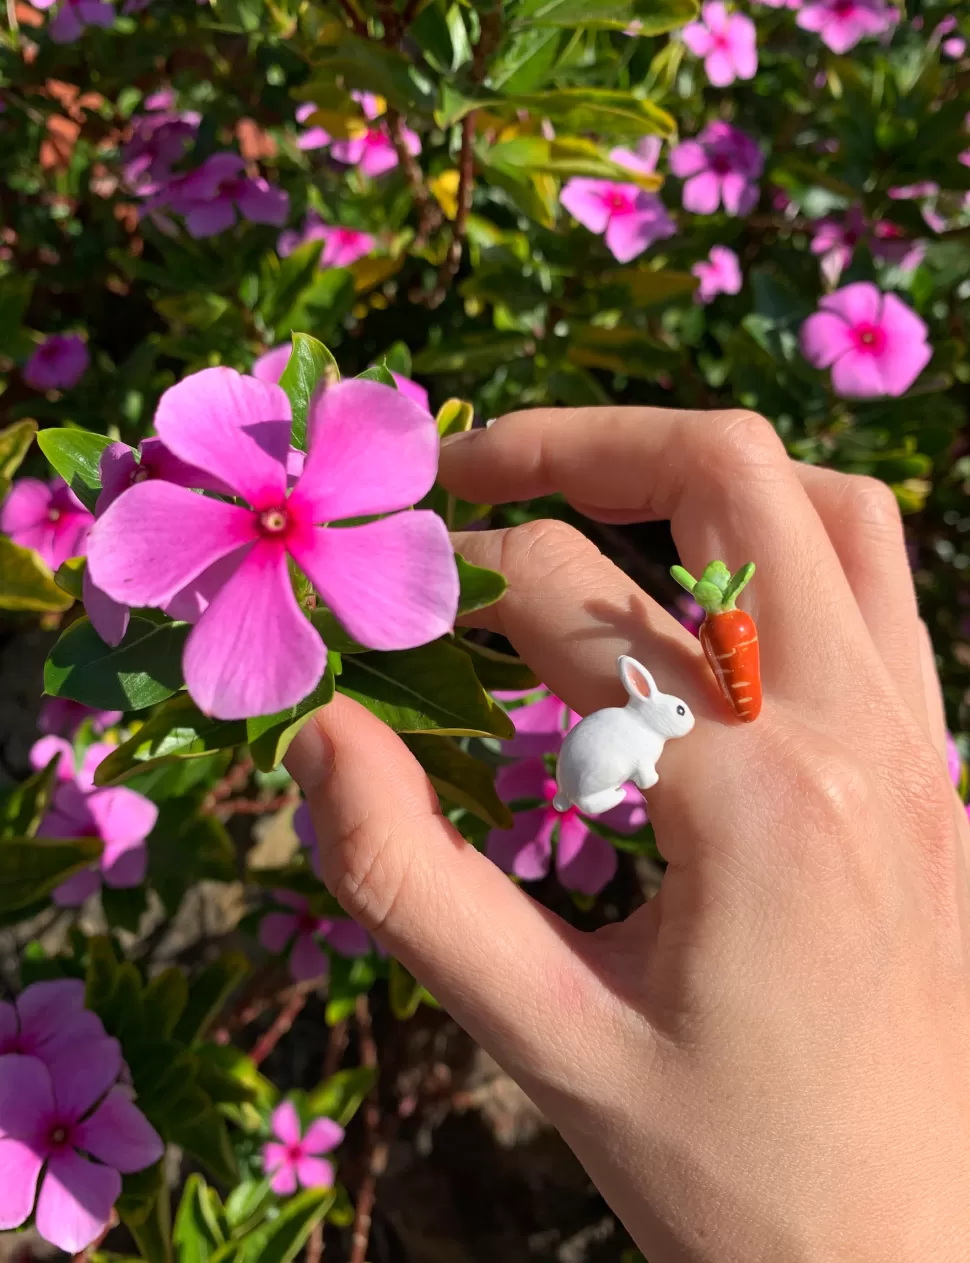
(870, 503)
(739, 440)
(362, 870)
(542, 546)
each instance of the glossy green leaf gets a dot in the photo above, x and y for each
(144, 669)
(341, 1096)
(197, 1231)
(647, 17)
(228, 1074)
(474, 352)
(75, 454)
(26, 583)
(378, 373)
(603, 111)
(30, 868)
(22, 807)
(563, 157)
(648, 288)
(282, 1239)
(455, 416)
(192, 846)
(460, 778)
(497, 670)
(69, 576)
(431, 689)
(15, 442)
(208, 992)
(150, 1224)
(369, 66)
(404, 991)
(178, 730)
(622, 349)
(166, 997)
(124, 907)
(206, 1137)
(310, 363)
(478, 586)
(270, 735)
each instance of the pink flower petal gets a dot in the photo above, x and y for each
(630, 815)
(283, 1182)
(25, 507)
(347, 938)
(585, 862)
(371, 450)
(76, 1029)
(156, 538)
(702, 193)
(539, 728)
(263, 203)
(76, 1200)
(73, 892)
(719, 66)
(525, 779)
(253, 652)
(208, 219)
(269, 366)
(322, 1135)
(687, 159)
(858, 375)
(238, 427)
(124, 819)
(308, 960)
(26, 1102)
(109, 618)
(697, 38)
(19, 1169)
(393, 584)
(44, 1007)
(824, 337)
(859, 303)
(629, 235)
(192, 601)
(274, 1156)
(119, 1134)
(315, 1172)
(82, 1073)
(586, 200)
(47, 748)
(526, 848)
(276, 929)
(117, 465)
(285, 1123)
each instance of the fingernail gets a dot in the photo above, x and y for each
(310, 757)
(463, 436)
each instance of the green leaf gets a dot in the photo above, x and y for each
(369, 66)
(151, 1230)
(652, 17)
(341, 1096)
(378, 373)
(144, 669)
(431, 689)
(191, 846)
(474, 353)
(228, 1074)
(622, 349)
(564, 156)
(208, 992)
(179, 730)
(166, 997)
(455, 416)
(15, 442)
(648, 288)
(462, 779)
(22, 808)
(26, 582)
(498, 670)
(101, 973)
(69, 576)
(282, 1238)
(124, 908)
(310, 363)
(197, 1231)
(75, 454)
(270, 735)
(206, 1137)
(30, 868)
(479, 587)
(247, 1201)
(603, 111)
(404, 991)
(397, 357)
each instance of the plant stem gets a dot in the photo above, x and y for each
(466, 186)
(376, 1146)
(284, 1020)
(359, 25)
(429, 215)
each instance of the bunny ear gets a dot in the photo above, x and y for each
(637, 680)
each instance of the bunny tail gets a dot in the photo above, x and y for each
(561, 802)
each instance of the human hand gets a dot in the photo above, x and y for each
(771, 1059)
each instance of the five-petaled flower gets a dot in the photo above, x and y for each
(835, 239)
(726, 41)
(47, 517)
(719, 273)
(719, 167)
(59, 362)
(373, 151)
(874, 343)
(841, 24)
(392, 583)
(585, 861)
(210, 197)
(48, 1020)
(73, 16)
(292, 1157)
(120, 817)
(341, 248)
(627, 216)
(302, 931)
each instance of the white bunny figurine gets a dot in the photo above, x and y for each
(610, 747)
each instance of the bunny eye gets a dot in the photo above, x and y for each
(681, 710)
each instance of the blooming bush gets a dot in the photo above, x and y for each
(256, 261)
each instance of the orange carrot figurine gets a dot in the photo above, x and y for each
(729, 636)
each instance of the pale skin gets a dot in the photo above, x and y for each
(770, 1061)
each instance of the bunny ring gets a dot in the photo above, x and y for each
(623, 743)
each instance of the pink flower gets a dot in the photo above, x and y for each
(61, 717)
(373, 152)
(630, 218)
(67, 1120)
(411, 390)
(780, 4)
(954, 47)
(726, 41)
(841, 24)
(59, 362)
(688, 613)
(585, 862)
(835, 239)
(48, 1020)
(302, 930)
(954, 763)
(719, 167)
(392, 583)
(874, 343)
(292, 1158)
(47, 517)
(210, 197)
(720, 273)
(73, 16)
(159, 139)
(643, 158)
(121, 818)
(310, 137)
(269, 366)
(343, 246)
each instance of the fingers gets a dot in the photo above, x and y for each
(862, 518)
(503, 966)
(932, 691)
(725, 482)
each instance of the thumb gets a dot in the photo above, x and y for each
(504, 967)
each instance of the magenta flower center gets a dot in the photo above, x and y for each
(231, 188)
(294, 1153)
(273, 523)
(870, 338)
(549, 790)
(721, 164)
(58, 1136)
(374, 140)
(617, 203)
(50, 351)
(306, 923)
(53, 515)
(721, 41)
(844, 8)
(141, 474)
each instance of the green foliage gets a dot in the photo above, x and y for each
(26, 583)
(31, 868)
(309, 365)
(177, 730)
(145, 668)
(269, 736)
(341, 1096)
(15, 441)
(74, 454)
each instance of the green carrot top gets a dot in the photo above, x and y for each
(716, 591)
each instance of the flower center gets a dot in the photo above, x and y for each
(306, 923)
(843, 8)
(616, 202)
(141, 474)
(53, 515)
(721, 164)
(870, 338)
(549, 791)
(374, 140)
(231, 188)
(294, 1153)
(721, 41)
(273, 522)
(50, 351)
(57, 1137)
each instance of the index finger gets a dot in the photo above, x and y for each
(729, 489)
